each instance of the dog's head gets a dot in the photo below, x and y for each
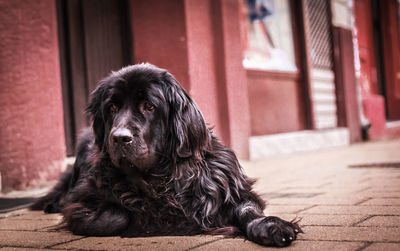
(141, 116)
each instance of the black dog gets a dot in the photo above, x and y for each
(150, 166)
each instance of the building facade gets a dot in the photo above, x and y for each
(270, 76)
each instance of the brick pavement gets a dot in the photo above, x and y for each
(341, 208)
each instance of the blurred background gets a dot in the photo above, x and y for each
(271, 76)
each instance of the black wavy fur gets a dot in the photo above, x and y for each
(166, 175)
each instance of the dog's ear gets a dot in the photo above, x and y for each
(189, 133)
(95, 109)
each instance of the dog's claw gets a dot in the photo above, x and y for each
(283, 239)
(290, 238)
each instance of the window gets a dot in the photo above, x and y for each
(268, 40)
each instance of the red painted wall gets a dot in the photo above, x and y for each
(374, 109)
(276, 103)
(32, 146)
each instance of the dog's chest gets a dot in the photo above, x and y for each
(154, 210)
(139, 195)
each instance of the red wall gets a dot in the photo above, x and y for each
(276, 103)
(32, 145)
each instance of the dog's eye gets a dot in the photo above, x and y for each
(113, 109)
(148, 106)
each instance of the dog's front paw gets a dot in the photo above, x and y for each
(272, 231)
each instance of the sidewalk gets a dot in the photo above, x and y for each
(342, 208)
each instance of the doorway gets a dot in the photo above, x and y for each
(378, 37)
(94, 39)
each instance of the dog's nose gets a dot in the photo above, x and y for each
(122, 136)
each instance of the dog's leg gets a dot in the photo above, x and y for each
(105, 221)
(264, 230)
(53, 201)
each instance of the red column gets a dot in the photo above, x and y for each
(32, 147)
(345, 78)
(232, 77)
(159, 36)
(199, 42)
(207, 85)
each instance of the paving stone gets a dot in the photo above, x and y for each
(329, 192)
(26, 214)
(39, 215)
(326, 233)
(385, 189)
(346, 185)
(380, 194)
(305, 185)
(384, 182)
(34, 239)
(382, 202)
(150, 243)
(22, 249)
(362, 210)
(231, 244)
(381, 221)
(288, 209)
(17, 224)
(241, 244)
(315, 201)
(323, 220)
(330, 220)
(383, 247)
(323, 245)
